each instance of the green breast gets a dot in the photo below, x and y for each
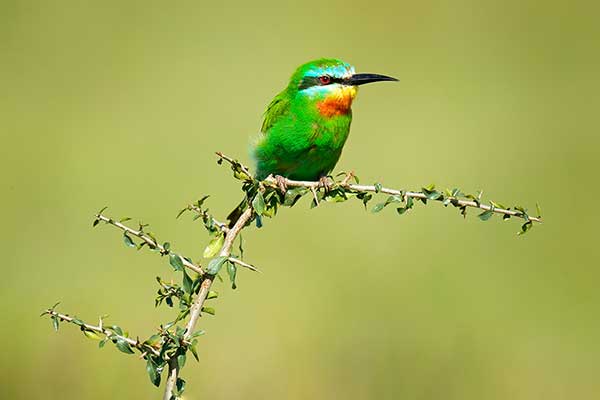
(301, 144)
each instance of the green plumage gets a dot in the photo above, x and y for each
(296, 140)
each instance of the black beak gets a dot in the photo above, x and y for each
(361, 79)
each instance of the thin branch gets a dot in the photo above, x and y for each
(313, 186)
(106, 332)
(149, 241)
(417, 195)
(233, 162)
(196, 308)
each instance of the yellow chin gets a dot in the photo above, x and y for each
(348, 92)
(343, 94)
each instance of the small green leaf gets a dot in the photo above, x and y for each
(365, 197)
(214, 266)
(193, 349)
(484, 216)
(153, 340)
(102, 343)
(153, 373)
(91, 335)
(96, 222)
(187, 283)
(396, 198)
(525, 227)
(181, 212)
(176, 262)
(166, 246)
(378, 207)
(55, 322)
(117, 329)
(125, 219)
(181, 360)
(498, 205)
(539, 210)
(378, 186)
(77, 321)
(202, 200)
(180, 384)
(214, 246)
(128, 241)
(212, 295)
(124, 346)
(197, 333)
(208, 310)
(258, 203)
(434, 195)
(232, 270)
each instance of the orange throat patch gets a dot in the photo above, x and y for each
(338, 103)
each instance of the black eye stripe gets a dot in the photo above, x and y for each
(310, 81)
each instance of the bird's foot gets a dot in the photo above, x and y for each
(325, 183)
(281, 183)
(347, 178)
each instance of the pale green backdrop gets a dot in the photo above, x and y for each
(123, 104)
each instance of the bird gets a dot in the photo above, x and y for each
(306, 125)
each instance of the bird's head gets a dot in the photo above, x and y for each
(330, 84)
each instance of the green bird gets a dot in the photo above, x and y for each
(306, 126)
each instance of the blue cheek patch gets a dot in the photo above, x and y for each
(320, 91)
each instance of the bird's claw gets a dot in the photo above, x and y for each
(281, 183)
(325, 183)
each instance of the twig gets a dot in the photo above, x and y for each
(221, 225)
(243, 264)
(233, 162)
(106, 332)
(149, 241)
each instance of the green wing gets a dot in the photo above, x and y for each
(278, 107)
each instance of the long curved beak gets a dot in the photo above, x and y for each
(361, 79)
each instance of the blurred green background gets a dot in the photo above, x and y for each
(124, 103)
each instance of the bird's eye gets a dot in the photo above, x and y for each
(325, 80)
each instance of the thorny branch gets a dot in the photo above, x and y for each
(343, 188)
(196, 308)
(109, 333)
(146, 238)
(167, 349)
(406, 194)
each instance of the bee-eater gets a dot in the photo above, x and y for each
(306, 125)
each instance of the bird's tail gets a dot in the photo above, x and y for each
(236, 213)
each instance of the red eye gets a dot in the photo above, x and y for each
(325, 80)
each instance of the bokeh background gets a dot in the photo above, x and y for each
(123, 103)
